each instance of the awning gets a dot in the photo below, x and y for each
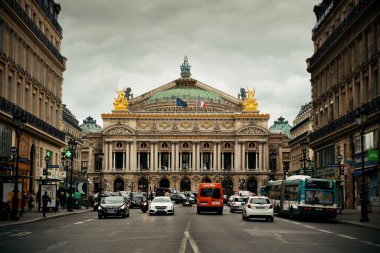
(359, 172)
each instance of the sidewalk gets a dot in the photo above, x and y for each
(34, 215)
(352, 217)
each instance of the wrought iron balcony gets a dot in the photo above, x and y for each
(338, 31)
(32, 26)
(345, 120)
(11, 108)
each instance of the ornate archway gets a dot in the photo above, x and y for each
(206, 180)
(185, 185)
(252, 185)
(164, 182)
(118, 185)
(143, 184)
(228, 186)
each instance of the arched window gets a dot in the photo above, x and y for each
(119, 145)
(185, 145)
(206, 145)
(143, 145)
(227, 145)
(251, 145)
(164, 145)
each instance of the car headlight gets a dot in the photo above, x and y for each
(100, 208)
(122, 207)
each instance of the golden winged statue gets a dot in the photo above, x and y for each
(250, 104)
(120, 102)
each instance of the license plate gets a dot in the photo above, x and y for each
(215, 203)
(318, 209)
(260, 207)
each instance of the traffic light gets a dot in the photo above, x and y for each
(48, 153)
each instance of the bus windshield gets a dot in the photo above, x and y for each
(319, 184)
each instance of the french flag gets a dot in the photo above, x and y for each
(201, 104)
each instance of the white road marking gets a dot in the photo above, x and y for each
(187, 236)
(307, 226)
(79, 222)
(89, 220)
(20, 234)
(348, 237)
(325, 231)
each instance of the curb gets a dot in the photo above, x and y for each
(361, 225)
(43, 218)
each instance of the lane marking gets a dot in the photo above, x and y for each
(79, 222)
(348, 237)
(325, 231)
(192, 243)
(20, 234)
(307, 226)
(89, 220)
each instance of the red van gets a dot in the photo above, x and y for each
(210, 198)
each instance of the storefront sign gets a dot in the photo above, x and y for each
(373, 155)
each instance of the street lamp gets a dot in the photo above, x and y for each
(47, 159)
(273, 164)
(70, 154)
(18, 123)
(361, 120)
(304, 148)
(100, 168)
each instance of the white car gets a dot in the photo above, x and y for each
(258, 207)
(161, 205)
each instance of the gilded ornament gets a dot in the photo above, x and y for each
(120, 102)
(250, 104)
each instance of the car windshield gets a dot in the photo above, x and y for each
(239, 199)
(260, 201)
(161, 200)
(112, 200)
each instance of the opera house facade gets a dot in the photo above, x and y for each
(179, 135)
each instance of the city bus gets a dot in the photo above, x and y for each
(303, 196)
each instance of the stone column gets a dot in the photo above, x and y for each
(197, 165)
(110, 165)
(155, 167)
(193, 156)
(172, 157)
(176, 163)
(261, 157)
(219, 167)
(105, 162)
(214, 165)
(243, 158)
(127, 157)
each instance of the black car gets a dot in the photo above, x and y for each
(113, 206)
(136, 198)
(180, 198)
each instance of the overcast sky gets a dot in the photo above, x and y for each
(261, 44)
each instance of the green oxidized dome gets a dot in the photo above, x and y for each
(185, 93)
(280, 126)
(89, 125)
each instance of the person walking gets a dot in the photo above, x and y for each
(30, 201)
(45, 200)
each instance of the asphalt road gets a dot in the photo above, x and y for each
(185, 232)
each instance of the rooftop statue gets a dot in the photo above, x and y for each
(120, 102)
(250, 104)
(185, 68)
(127, 94)
(243, 93)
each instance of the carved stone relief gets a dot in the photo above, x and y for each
(253, 130)
(119, 131)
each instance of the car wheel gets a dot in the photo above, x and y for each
(198, 211)
(99, 216)
(124, 215)
(231, 211)
(105, 216)
(271, 219)
(127, 214)
(242, 217)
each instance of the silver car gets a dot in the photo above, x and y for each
(237, 203)
(161, 205)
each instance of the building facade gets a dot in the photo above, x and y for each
(302, 156)
(31, 69)
(345, 96)
(179, 135)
